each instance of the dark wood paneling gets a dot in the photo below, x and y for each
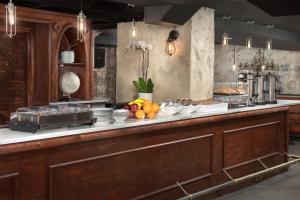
(294, 116)
(14, 69)
(128, 169)
(247, 143)
(146, 162)
(34, 50)
(9, 186)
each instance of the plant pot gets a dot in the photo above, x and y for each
(67, 57)
(147, 96)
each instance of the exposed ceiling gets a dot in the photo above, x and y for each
(283, 14)
(104, 13)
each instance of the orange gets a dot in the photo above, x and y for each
(140, 114)
(147, 108)
(146, 102)
(155, 107)
(151, 115)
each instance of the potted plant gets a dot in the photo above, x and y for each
(145, 88)
(68, 55)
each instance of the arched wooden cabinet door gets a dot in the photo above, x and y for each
(82, 62)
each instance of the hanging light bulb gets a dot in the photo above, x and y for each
(225, 35)
(11, 28)
(234, 67)
(269, 44)
(249, 38)
(171, 47)
(133, 32)
(81, 25)
(249, 42)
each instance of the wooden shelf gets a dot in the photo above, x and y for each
(71, 64)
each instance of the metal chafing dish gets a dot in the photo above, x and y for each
(35, 118)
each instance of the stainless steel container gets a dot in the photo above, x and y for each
(248, 78)
(260, 89)
(271, 87)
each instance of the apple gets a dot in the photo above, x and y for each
(134, 107)
(126, 107)
(131, 115)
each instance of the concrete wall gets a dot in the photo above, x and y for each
(289, 62)
(202, 54)
(177, 76)
(105, 78)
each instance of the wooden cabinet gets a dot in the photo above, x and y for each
(30, 71)
(144, 162)
(294, 116)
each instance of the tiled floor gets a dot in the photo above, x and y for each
(285, 186)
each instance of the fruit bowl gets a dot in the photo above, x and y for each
(120, 115)
(189, 109)
(169, 110)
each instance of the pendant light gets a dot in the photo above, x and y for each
(11, 29)
(133, 29)
(249, 37)
(234, 67)
(81, 24)
(225, 36)
(269, 44)
(133, 32)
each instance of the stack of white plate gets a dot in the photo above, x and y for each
(103, 115)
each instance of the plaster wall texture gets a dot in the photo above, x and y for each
(176, 76)
(289, 62)
(105, 78)
(202, 54)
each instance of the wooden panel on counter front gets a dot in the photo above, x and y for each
(294, 115)
(146, 162)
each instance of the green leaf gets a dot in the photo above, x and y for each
(150, 86)
(143, 85)
(137, 85)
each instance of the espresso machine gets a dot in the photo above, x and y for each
(259, 88)
(272, 85)
(248, 78)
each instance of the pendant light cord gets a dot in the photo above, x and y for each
(81, 4)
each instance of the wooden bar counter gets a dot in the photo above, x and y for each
(143, 161)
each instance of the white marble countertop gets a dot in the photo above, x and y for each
(8, 136)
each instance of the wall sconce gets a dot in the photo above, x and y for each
(11, 18)
(171, 47)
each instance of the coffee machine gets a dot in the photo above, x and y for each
(259, 88)
(272, 85)
(248, 78)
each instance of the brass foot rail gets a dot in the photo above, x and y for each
(294, 160)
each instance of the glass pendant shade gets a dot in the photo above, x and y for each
(249, 43)
(225, 39)
(11, 29)
(170, 48)
(81, 26)
(133, 33)
(234, 67)
(269, 45)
